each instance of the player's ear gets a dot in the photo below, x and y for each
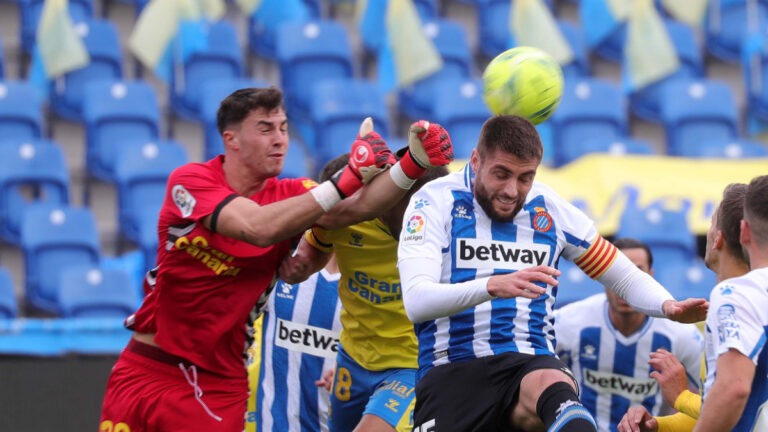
(745, 236)
(719, 240)
(229, 138)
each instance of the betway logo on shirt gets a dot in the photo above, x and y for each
(634, 389)
(307, 339)
(482, 254)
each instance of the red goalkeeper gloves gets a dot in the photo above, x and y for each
(368, 157)
(428, 145)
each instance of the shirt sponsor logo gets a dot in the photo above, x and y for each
(414, 228)
(216, 260)
(307, 339)
(183, 200)
(728, 325)
(374, 290)
(483, 254)
(634, 389)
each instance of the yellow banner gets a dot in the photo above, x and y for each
(603, 185)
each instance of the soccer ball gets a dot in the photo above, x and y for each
(523, 81)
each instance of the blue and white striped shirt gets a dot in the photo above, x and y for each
(300, 341)
(445, 225)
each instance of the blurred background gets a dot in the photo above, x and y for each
(664, 105)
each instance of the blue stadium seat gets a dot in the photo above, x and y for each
(88, 291)
(265, 21)
(2, 61)
(297, 162)
(733, 149)
(141, 173)
(307, 53)
(21, 111)
(695, 111)
(9, 307)
(30, 172)
(645, 102)
(102, 43)
(117, 114)
(615, 146)
(451, 42)
(212, 92)
(574, 284)
(687, 279)
(493, 18)
(664, 228)
(589, 108)
(579, 67)
(458, 105)
(221, 58)
(729, 22)
(754, 67)
(29, 17)
(337, 109)
(54, 238)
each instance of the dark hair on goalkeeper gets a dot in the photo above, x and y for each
(236, 107)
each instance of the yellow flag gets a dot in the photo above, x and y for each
(651, 55)
(414, 54)
(360, 7)
(155, 28)
(690, 12)
(61, 48)
(620, 8)
(533, 25)
(212, 10)
(248, 6)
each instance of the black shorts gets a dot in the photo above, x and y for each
(475, 395)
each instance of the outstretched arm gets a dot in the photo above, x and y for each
(305, 261)
(728, 396)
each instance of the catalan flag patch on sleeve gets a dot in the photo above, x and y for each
(596, 260)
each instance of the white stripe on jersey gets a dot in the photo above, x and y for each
(612, 369)
(460, 236)
(738, 319)
(284, 392)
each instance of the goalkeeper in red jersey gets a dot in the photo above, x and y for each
(224, 227)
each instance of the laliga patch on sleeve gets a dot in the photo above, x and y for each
(308, 184)
(183, 200)
(415, 228)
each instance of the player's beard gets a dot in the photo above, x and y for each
(485, 199)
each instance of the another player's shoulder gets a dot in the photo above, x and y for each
(197, 170)
(751, 286)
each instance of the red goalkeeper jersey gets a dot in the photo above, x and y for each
(205, 292)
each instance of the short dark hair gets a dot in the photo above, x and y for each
(633, 243)
(333, 166)
(756, 208)
(511, 134)
(235, 107)
(729, 215)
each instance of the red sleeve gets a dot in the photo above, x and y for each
(195, 190)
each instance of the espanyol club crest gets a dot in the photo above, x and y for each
(542, 221)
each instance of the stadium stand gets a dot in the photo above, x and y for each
(141, 172)
(29, 18)
(695, 111)
(645, 102)
(589, 108)
(31, 172)
(219, 57)
(102, 43)
(54, 238)
(21, 111)
(458, 106)
(729, 22)
(307, 53)
(87, 291)
(617, 146)
(9, 307)
(337, 108)
(117, 114)
(417, 100)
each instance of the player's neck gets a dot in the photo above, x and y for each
(758, 257)
(627, 324)
(241, 180)
(730, 266)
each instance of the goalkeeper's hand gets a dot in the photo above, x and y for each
(429, 145)
(368, 157)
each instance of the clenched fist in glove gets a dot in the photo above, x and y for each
(429, 144)
(368, 157)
